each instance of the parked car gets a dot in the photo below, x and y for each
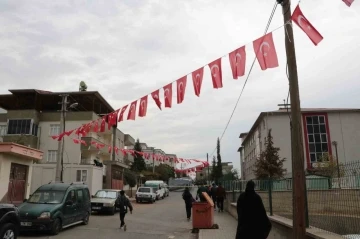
(146, 194)
(158, 186)
(105, 201)
(9, 221)
(167, 191)
(55, 206)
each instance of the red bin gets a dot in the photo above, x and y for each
(203, 213)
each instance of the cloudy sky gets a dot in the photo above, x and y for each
(126, 49)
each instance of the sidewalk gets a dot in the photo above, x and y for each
(227, 227)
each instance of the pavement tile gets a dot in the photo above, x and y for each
(227, 227)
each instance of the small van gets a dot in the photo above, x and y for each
(159, 187)
(55, 206)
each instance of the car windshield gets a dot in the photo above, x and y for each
(44, 197)
(151, 185)
(144, 190)
(105, 194)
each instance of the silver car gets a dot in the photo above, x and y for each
(105, 201)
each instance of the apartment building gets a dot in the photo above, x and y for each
(320, 128)
(32, 117)
(202, 173)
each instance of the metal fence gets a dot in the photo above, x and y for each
(333, 203)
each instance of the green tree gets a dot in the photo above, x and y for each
(139, 164)
(219, 173)
(269, 163)
(213, 173)
(165, 172)
(130, 179)
(232, 175)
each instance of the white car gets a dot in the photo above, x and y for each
(145, 194)
(158, 186)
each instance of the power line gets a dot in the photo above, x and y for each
(252, 66)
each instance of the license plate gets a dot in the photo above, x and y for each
(96, 208)
(26, 224)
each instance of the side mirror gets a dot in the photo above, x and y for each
(69, 203)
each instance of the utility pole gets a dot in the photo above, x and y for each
(298, 174)
(113, 142)
(60, 154)
(153, 157)
(208, 169)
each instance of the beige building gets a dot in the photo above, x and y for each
(31, 119)
(204, 172)
(320, 128)
(16, 171)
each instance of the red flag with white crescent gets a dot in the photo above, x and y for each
(132, 111)
(181, 87)
(76, 141)
(102, 125)
(348, 2)
(96, 126)
(122, 112)
(216, 74)
(168, 95)
(143, 106)
(237, 62)
(197, 77)
(156, 97)
(265, 51)
(300, 20)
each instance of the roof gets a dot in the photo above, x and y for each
(28, 99)
(242, 135)
(303, 110)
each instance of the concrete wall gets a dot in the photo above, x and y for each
(5, 166)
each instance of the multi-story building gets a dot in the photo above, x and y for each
(33, 116)
(204, 172)
(321, 127)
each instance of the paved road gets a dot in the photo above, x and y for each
(164, 219)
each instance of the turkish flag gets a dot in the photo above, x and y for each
(197, 77)
(348, 2)
(122, 111)
(68, 133)
(76, 141)
(143, 106)
(96, 126)
(168, 95)
(155, 96)
(132, 111)
(237, 62)
(300, 20)
(264, 48)
(216, 75)
(102, 125)
(181, 86)
(112, 118)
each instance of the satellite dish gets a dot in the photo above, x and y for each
(82, 86)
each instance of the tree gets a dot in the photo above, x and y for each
(219, 173)
(213, 169)
(165, 172)
(232, 175)
(269, 164)
(328, 167)
(130, 179)
(139, 162)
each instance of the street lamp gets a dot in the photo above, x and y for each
(337, 159)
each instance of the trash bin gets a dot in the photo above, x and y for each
(203, 213)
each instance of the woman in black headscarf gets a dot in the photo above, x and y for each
(188, 198)
(253, 221)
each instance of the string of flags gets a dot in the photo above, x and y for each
(266, 55)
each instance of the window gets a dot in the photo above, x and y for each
(86, 194)
(19, 126)
(317, 137)
(2, 130)
(52, 156)
(80, 196)
(54, 129)
(71, 197)
(81, 175)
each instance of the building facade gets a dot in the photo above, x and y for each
(33, 117)
(204, 173)
(320, 128)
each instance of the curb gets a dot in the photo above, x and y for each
(200, 236)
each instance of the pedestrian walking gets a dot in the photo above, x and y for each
(253, 221)
(188, 198)
(220, 197)
(124, 203)
(213, 194)
(199, 192)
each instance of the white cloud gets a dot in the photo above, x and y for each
(126, 49)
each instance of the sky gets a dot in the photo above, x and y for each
(127, 49)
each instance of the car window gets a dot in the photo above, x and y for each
(86, 195)
(71, 196)
(80, 196)
(53, 197)
(144, 190)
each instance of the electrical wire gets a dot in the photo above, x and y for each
(247, 78)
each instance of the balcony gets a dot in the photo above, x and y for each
(129, 140)
(23, 139)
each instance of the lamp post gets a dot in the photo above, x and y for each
(337, 159)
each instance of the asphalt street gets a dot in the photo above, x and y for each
(164, 219)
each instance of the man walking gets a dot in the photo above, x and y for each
(123, 202)
(253, 221)
(213, 194)
(199, 192)
(220, 197)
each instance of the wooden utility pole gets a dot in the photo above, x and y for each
(60, 155)
(298, 174)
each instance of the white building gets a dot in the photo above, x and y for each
(320, 127)
(31, 119)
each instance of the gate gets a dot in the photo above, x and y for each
(17, 183)
(116, 178)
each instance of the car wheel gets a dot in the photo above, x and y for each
(112, 211)
(8, 231)
(56, 227)
(86, 219)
